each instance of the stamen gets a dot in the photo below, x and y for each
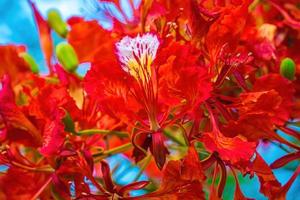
(137, 54)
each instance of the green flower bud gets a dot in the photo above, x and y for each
(67, 56)
(56, 23)
(30, 61)
(288, 68)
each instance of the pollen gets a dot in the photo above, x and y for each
(137, 54)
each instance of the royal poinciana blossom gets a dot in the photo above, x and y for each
(185, 90)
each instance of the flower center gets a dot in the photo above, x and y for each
(137, 54)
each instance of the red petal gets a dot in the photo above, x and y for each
(191, 161)
(45, 36)
(226, 29)
(159, 151)
(174, 187)
(285, 90)
(17, 123)
(53, 136)
(269, 185)
(133, 186)
(112, 86)
(181, 77)
(12, 64)
(89, 39)
(229, 149)
(107, 177)
(223, 178)
(19, 184)
(288, 19)
(285, 160)
(238, 194)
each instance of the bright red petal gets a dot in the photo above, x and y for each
(54, 135)
(45, 35)
(89, 39)
(19, 127)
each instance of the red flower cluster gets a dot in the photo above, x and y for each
(187, 90)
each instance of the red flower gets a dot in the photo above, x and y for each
(138, 83)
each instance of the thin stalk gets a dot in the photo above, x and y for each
(39, 192)
(174, 138)
(40, 169)
(99, 131)
(117, 150)
(143, 167)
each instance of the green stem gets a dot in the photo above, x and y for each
(46, 168)
(253, 5)
(99, 131)
(143, 167)
(117, 150)
(174, 138)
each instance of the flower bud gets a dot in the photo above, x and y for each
(288, 68)
(67, 56)
(56, 23)
(30, 61)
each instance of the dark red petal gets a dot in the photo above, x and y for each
(285, 160)
(159, 151)
(133, 186)
(60, 187)
(287, 186)
(269, 185)
(107, 177)
(141, 142)
(223, 178)
(89, 159)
